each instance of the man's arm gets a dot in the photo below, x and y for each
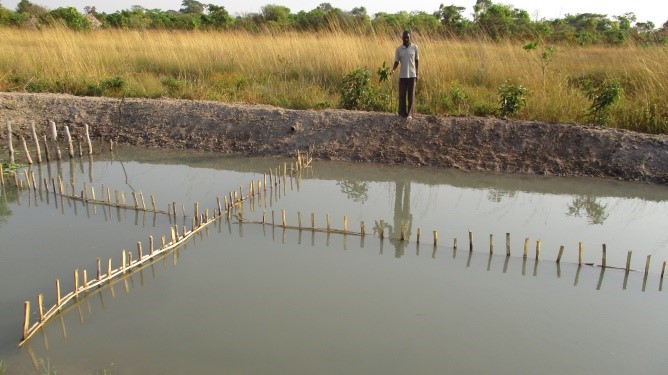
(394, 67)
(417, 64)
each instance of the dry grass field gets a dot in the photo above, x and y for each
(302, 70)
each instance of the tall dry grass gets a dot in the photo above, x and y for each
(302, 71)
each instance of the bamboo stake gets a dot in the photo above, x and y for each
(139, 251)
(507, 244)
(663, 269)
(345, 224)
(382, 229)
(649, 258)
(580, 250)
(603, 261)
(99, 269)
(163, 242)
(10, 144)
(628, 261)
(470, 241)
(538, 244)
(76, 284)
(36, 140)
(220, 208)
(123, 261)
(90, 144)
(491, 243)
(153, 204)
(435, 238)
(143, 204)
(312, 220)
(526, 247)
(26, 319)
(46, 148)
(150, 244)
(70, 147)
(109, 268)
(561, 251)
(25, 149)
(40, 304)
(283, 217)
(58, 299)
(417, 239)
(362, 229)
(454, 243)
(85, 279)
(299, 219)
(134, 197)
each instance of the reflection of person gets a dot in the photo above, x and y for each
(406, 55)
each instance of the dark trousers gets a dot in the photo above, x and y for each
(406, 95)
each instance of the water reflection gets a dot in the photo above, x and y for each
(587, 205)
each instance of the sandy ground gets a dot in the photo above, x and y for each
(467, 143)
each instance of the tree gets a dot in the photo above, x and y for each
(25, 6)
(276, 13)
(191, 7)
(451, 17)
(71, 18)
(218, 17)
(90, 10)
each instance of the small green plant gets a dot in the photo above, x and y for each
(544, 57)
(602, 95)
(384, 73)
(355, 88)
(8, 168)
(483, 108)
(512, 98)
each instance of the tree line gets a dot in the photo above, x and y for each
(489, 20)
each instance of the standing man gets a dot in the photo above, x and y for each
(406, 55)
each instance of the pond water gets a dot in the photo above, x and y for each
(253, 298)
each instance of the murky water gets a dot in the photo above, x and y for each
(248, 298)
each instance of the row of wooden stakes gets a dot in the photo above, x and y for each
(199, 221)
(54, 137)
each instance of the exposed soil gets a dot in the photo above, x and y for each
(467, 143)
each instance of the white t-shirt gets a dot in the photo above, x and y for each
(407, 57)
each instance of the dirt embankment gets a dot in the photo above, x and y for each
(467, 143)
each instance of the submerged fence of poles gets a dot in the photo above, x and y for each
(129, 260)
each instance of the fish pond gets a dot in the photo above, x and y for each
(407, 269)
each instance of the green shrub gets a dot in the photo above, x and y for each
(356, 92)
(512, 98)
(602, 96)
(483, 108)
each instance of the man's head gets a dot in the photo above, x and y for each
(406, 37)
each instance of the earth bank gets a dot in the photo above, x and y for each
(467, 143)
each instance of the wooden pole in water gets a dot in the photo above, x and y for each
(134, 197)
(143, 203)
(58, 299)
(299, 219)
(220, 208)
(109, 268)
(76, 284)
(70, 147)
(470, 241)
(40, 304)
(491, 243)
(328, 223)
(54, 138)
(123, 261)
(507, 244)
(345, 224)
(10, 144)
(382, 229)
(90, 144)
(153, 203)
(362, 229)
(454, 243)
(26, 319)
(111, 145)
(25, 149)
(99, 269)
(38, 149)
(561, 252)
(283, 218)
(46, 148)
(85, 279)
(435, 238)
(628, 261)
(150, 244)
(603, 261)
(663, 269)
(526, 247)
(649, 257)
(538, 243)
(580, 251)
(312, 220)
(417, 239)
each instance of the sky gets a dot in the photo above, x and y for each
(655, 11)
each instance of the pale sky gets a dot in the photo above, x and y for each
(646, 10)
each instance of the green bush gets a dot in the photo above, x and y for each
(512, 98)
(356, 92)
(602, 96)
